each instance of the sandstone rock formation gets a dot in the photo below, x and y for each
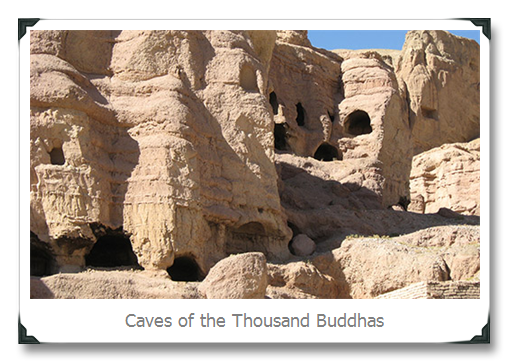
(362, 267)
(171, 150)
(241, 276)
(448, 177)
(441, 73)
(166, 136)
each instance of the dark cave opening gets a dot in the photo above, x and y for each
(112, 251)
(185, 268)
(57, 156)
(327, 152)
(280, 137)
(429, 113)
(300, 119)
(357, 123)
(42, 261)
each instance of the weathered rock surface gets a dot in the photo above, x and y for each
(165, 135)
(300, 280)
(111, 284)
(241, 276)
(441, 73)
(447, 177)
(171, 150)
(365, 267)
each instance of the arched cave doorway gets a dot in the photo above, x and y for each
(357, 123)
(185, 268)
(327, 152)
(112, 251)
(57, 156)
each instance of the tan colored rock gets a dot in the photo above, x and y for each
(112, 284)
(362, 115)
(367, 267)
(166, 135)
(241, 276)
(459, 246)
(441, 73)
(184, 147)
(371, 267)
(447, 177)
(300, 280)
(374, 119)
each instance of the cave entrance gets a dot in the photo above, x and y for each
(357, 123)
(327, 152)
(112, 251)
(280, 137)
(300, 119)
(42, 261)
(57, 156)
(185, 268)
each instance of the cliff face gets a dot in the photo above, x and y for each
(189, 146)
(164, 135)
(441, 73)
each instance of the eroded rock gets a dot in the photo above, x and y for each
(242, 276)
(185, 147)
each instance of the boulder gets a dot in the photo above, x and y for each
(302, 245)
(242, 276)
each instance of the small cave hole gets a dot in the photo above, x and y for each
(357, 123)
(429, 113)
(300, 119)
(280, 137)
(327, 152)
(57, 156)
(273, 100)
(185, 268)
(112, 251)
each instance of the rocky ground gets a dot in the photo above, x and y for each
(361, 267)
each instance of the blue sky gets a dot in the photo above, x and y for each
(369, 39)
